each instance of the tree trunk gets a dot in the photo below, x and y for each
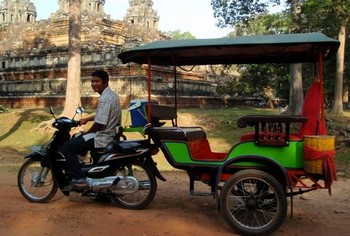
(74, 61)
(296, 91)
(346, 94)
(338, 91)
(296, 81)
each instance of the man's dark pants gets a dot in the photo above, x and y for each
(71, 149)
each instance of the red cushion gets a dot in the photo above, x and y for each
(200, 150)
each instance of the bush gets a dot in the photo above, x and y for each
(3, 109)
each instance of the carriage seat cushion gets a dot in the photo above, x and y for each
(200, 150)
(162, 112)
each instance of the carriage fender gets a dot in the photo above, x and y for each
(257, 159)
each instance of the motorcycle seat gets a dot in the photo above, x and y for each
(123, 147)
(126, 146)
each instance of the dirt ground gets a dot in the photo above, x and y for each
(172, 212)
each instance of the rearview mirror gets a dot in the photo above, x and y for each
(80, 110)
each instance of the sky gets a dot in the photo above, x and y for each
(194, 16)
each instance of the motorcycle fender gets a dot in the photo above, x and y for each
(34, 155)
(154, 169)
(38, 156)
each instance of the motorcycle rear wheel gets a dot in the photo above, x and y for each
(34, 191)
(147, 189)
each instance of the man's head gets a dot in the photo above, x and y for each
(99, 80)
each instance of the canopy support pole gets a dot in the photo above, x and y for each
(320, 68)
(175, 91)
(149, 89)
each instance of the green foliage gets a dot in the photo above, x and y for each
(259, 76)
(252, 18)
(232, 86)
(3, 109)
(264, 24)
(252, 78)
(177, 34)
(240, 12)
(327, 16)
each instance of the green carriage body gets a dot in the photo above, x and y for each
(290, 157)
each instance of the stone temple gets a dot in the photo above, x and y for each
(34, 54)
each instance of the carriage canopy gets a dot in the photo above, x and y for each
(283, 48)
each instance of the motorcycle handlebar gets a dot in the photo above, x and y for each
(75, 123)
(65, 123)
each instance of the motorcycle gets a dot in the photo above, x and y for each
(124, 171)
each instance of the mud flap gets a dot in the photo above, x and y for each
(153, 166)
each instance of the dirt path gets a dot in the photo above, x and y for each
(173, 212)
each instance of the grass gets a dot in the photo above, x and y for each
(19, 129)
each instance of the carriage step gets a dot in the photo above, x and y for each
(201, 193)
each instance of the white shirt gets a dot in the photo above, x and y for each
(108, 113)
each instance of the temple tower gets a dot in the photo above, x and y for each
(17, 11)
(141, 13)
(87, 6)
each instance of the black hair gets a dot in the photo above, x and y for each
(103, 75)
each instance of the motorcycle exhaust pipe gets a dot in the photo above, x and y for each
(114, 184)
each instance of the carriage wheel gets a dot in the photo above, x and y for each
(253, 203)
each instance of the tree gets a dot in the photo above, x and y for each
(338, 90)
(332, 17)
(74, 61)
(255, 77)
(304, 16)
(243, 13)
(342, 9)
(177, 34)
(240, 12)
(276, 23)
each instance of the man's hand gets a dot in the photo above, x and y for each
(85, 120)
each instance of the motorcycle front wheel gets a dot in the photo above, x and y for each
(147, 186)
(36, 182)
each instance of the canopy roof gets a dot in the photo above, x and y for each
(282, 48)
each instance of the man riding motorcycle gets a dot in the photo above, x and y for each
(99, 135)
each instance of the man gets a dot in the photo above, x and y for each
(100, 134)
